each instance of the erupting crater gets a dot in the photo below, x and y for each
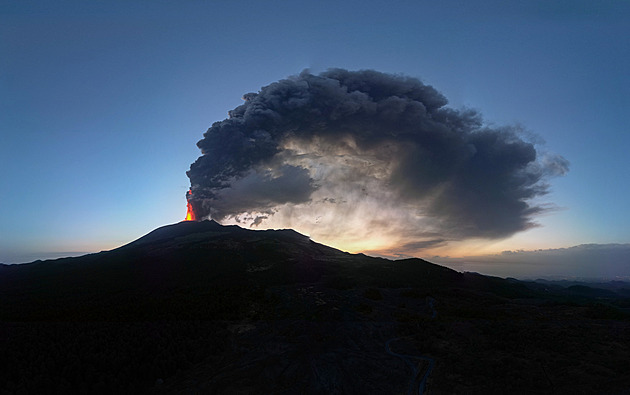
(190, 213)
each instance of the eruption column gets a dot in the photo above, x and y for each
(190, 213)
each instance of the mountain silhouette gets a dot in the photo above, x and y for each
(199, 307)
(198, 256)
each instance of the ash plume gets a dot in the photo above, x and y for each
(383, 150)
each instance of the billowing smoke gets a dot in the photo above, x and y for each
(367, 155)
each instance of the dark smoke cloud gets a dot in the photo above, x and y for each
(342, 137)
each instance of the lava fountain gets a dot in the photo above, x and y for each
(190, 213)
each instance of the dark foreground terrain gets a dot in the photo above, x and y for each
(197, 307)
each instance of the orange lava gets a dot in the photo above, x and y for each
(190, 213)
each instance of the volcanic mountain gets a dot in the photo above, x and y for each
(197, 257)
(205, 308)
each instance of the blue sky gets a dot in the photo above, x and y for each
(102, 103)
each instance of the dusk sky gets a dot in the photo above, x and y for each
(102, 104)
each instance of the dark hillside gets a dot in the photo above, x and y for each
(203, 308)
(197, 257)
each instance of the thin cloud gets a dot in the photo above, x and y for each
(585, 260)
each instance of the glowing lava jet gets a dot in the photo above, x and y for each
(190, 213)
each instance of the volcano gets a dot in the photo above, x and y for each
(204, 308)
(200, 256)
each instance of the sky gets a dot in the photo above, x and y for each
(102, 104)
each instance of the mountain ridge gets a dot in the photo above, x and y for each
(198, 307)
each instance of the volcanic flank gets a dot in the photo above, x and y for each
(204, 308)
(193, 254)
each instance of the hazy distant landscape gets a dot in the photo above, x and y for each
(206, 308)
